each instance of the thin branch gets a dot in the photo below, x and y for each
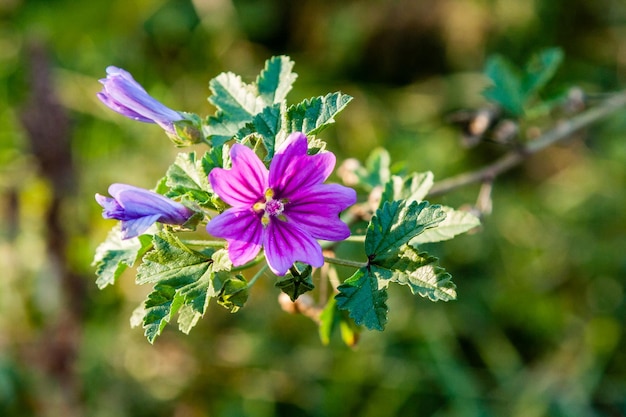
(559, 133)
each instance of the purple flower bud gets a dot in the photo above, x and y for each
(138, 209)
(126, 96)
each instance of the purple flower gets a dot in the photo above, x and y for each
(126, 96)
(138, 209)
(284, 210)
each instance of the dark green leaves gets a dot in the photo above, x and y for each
(396, 223)
(297, 281)
(365, 301)
(513, 89)
(400, 224)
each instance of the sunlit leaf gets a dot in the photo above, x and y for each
(313, 115)
(276, 79)
(115, 254)
(396, 223)
(455, 223)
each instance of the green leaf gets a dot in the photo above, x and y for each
(540, 69)
(213, 159)
(329, 318)
(162, 303)
(234, 293)
(313, 115)
(115, 254)
(364, 301)
(297, 281)
(412, 188)
(396, 223)
(267, 124)
(420, 271)
(234, 98)
(220, 129)
(455, 223)
(507, 85)
(187, 179)
(276, 79)
(183, 280)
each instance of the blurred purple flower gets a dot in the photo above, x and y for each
(138, 209)
(126, 96)
(284, 210)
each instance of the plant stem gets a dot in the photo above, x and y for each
(559, 133)
(345, 262)
(257, 275)
(207, 243)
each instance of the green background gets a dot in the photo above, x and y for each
(538, 329)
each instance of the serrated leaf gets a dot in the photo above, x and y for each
(420, 271)
(213, 158)
(276, 79)
(507, 85)
(162, 303)
(540, 69)
(186, 178)
(364, 301)
(115, 254)
(267, 124)
(455, 223)
(396, 223)
(234, 98)
(220, 129)
(183, 281)
(413, 188)
(171, 262)
(296, 283)
(313, 115)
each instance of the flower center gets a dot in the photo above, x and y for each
(270, 207)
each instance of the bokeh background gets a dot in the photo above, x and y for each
(538, 329)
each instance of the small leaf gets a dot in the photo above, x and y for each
(540, 69)
(234, 98)
(115, 254)
(161, 305)
(313, 115)
(213, 159)
(455, 223)
(396, 223)
(507, 85)
(234, 294)
(276, 79)
(267, 124)
(297, 281)
(412, 188)
(420, 271)
(364, 301)
(187, 179)
(328, 321)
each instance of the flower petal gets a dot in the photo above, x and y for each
(138, 202)
(316, 210)
(285, 243)
(245, 183)
(292, 169)
(136, 227)
(243, 230)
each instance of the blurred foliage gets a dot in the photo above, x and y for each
(538, 326)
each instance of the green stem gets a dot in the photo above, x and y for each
(257, 275)
(345, 262)
(205, 243)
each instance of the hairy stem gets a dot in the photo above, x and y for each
(559, 133)
(345, 262)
